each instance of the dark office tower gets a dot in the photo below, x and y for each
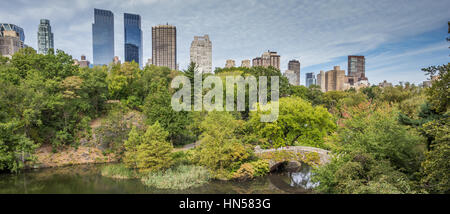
(164, 46)
(356, 67)
(45, 36)
(133, 38)
(103, 37)
(294, 65)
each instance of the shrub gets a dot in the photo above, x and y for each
(251, 170)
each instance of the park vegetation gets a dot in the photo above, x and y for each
(383, 140)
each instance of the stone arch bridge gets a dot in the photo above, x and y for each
(294, 156)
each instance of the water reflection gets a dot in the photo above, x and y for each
(88, 179)
(302, 178)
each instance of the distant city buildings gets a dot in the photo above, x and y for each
(82, 62)
(164, 46)
(133, 38)
(310, 79)
(294, 65)
(269, 58)
(385, 84)
(201, 53)
(103, 37)
(12, 39)
(149, 62)
(230, 63)
(245, 63)
(291, 76)
(45, 36)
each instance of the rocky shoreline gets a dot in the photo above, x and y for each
(67, 156)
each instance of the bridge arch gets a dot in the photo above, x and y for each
(294, 155)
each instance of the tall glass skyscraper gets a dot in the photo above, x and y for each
(133, 38)
(45, 36)
(103, 37)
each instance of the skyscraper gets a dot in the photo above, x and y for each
(201, 53)
(356, 67)
(103, 37)
(133, 38)
(11, 39)
(310, 79)
(45, 36)
(294, 65)
(269, 58)
(164, 46)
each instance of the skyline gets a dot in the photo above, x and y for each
(396, 40)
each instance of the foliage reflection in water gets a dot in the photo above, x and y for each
(88, 179)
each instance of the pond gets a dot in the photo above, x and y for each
(88, 179)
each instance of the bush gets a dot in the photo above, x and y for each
(251, 170)
(178, 178)
(119, 171)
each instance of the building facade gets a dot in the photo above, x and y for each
(133, 38)
(11, 39)
(310, 79)
(321, 81)
(291, 76)
(230, 63)
(245, 63)
(333, 80)
(164, 46)
(356, 68)
(269, 58)
(45, 36)
(13, 27)
(201, 53)
(103, 37)
(294, 65)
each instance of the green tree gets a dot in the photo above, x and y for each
(148, 152)
(436, 166)
(153, 153)
(374, 153)
(157, 108)
(220, 148)
(298, 123)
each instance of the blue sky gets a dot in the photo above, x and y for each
(397, 37)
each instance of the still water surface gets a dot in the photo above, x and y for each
(88, 179)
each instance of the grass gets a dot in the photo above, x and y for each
(178, 178)
(118, 171)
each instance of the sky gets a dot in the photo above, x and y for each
(397, 38)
